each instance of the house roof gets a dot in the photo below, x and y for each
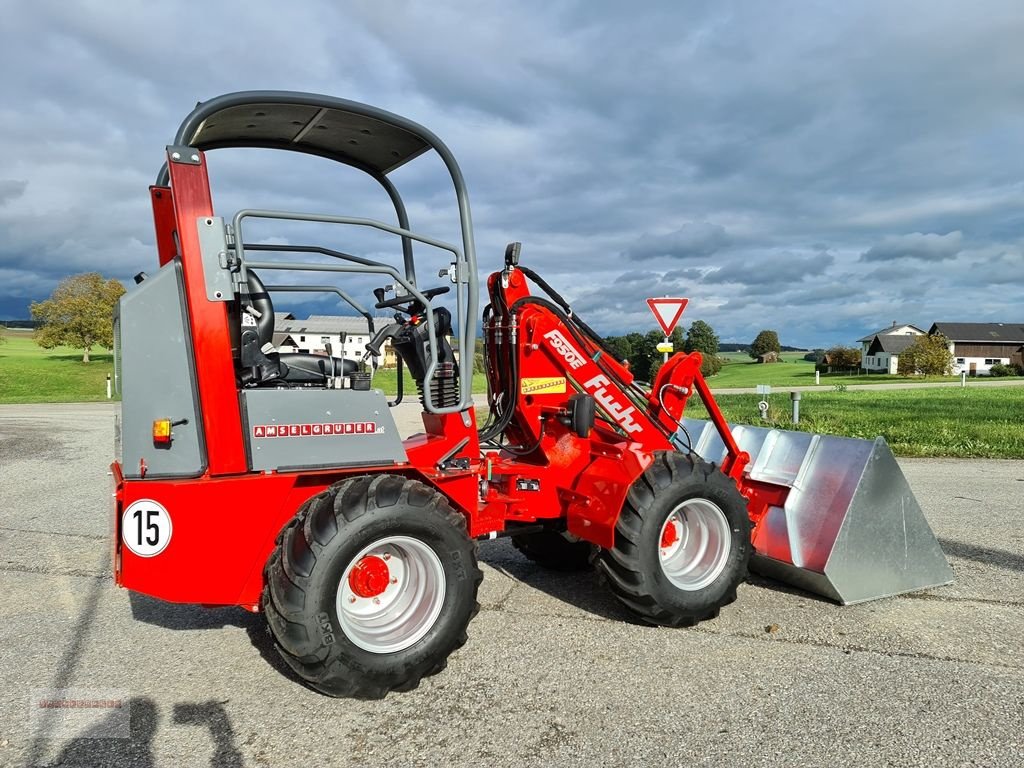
(280, 338)
(893, 343)
(981, 333)
(888, 330)
(329, 324)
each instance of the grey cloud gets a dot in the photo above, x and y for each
(11, 189)
(694, 240)
(591, 137)
(924, 247)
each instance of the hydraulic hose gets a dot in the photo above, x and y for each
(637, 398)
(557, 298)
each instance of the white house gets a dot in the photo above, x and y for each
(883, 355)
(976, 347)
(347, 336)
(880, 350)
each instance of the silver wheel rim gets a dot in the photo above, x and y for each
(408, 605)
(694, 544)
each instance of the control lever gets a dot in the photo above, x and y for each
(330, 355)
(385, 333)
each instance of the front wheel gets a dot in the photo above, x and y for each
(682, 543)
(371, 587)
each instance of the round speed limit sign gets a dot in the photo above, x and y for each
(146, 528)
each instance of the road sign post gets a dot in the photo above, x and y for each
(667, 311)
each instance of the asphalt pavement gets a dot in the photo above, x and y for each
(554, 672)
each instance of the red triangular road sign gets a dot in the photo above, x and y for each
(667, 312)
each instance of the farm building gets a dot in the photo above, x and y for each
(768, 357)
(347, 336)
(880, 350)
(976, 347)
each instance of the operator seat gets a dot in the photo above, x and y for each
(288, 367)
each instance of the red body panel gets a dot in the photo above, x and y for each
(164, 223)
(211, 339)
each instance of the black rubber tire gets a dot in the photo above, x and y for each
(304, 572)
(632, 568)
(551, 549)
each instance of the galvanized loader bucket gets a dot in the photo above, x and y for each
(851, 529)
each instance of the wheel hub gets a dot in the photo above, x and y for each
(670, 534)
(391, 594)
(695, 544)
(369, 577)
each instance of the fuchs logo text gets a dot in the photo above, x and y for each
(565, 349)
(623, 414)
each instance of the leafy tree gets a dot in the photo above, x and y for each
(620, 346)
(815, 356)
(78, 313)
(644, 357)
(3, 334)
(702, 338)
(766, 341)
(928, 355)
(841, 358)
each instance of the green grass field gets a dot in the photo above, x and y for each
(29, 374)
(387, 380)
(972, 422)
(965, 423)
(793, 371)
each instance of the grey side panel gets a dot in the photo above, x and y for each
(158, 379)
(318, 428)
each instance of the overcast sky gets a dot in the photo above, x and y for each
(818, 168)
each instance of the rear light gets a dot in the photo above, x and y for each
(162, 431)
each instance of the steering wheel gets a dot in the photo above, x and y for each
(399, 301)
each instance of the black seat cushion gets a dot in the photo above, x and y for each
(303, 368)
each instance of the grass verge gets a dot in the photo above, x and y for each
(963, 423)
(30, 374)
(793, 371)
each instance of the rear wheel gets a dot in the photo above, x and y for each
(553, 550)
(371, 586)
(682, 543)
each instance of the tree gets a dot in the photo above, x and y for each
(766, 341)
(841, 358)
(928, 355)
(79, 313)
(620, 346)
(701, 338)
(3, 334)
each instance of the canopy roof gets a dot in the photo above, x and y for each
(353, 133)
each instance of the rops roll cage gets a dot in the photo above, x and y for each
(368, 139)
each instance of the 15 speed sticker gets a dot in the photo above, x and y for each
(146, 528)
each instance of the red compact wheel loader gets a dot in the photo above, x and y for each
(275, 480)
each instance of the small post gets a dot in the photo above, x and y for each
(795, 397)
(665, 358)
(817, 377)
(963, 378)
(109, 393)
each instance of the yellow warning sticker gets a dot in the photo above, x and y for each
(545, 384)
